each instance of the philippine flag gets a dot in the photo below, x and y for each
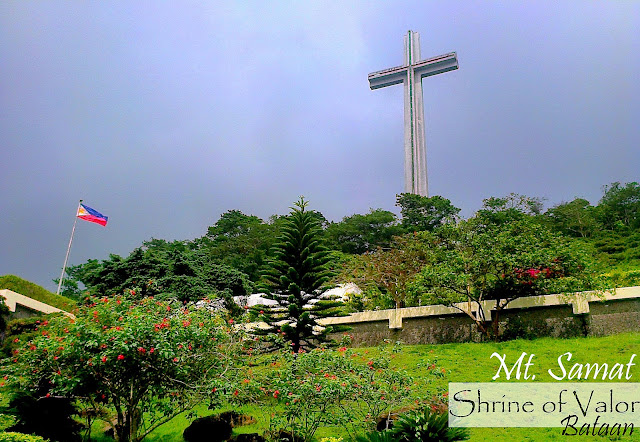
(88, 214)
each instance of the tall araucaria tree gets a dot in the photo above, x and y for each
(294, 279)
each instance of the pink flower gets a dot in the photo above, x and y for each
(533, 272)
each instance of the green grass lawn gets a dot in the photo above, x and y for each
(469, 362)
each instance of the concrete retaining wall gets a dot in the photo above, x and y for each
(562, 316)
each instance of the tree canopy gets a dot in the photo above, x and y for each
(421, 213)
(159, 268)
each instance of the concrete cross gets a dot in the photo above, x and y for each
(411, 74)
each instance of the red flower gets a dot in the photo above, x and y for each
(104, 359)
(175, 359)
(141, 349)
(120, 357)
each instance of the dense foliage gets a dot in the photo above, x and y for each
(364, 233)
(475, 261)
(149, 360)
(421, 213)
(236, 248)
(159, 268)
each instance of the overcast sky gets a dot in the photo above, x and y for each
(164, 115)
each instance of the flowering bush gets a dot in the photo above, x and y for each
(149, 360)
(332, 387)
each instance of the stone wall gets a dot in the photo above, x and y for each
(560, 316)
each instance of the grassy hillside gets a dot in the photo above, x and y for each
(34, 291)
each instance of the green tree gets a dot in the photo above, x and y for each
(294, 279)
(509, 208)
(421, 213)
(363, 233)
(385, 274)
(148, 360)
(620, 206)
(240, 241)
(576, 218)
(474, 262)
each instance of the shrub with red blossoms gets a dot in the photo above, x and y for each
(329, 387)
(102, 357)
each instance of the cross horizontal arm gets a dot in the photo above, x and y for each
(424, 68)
(436, 65)
(387, 77)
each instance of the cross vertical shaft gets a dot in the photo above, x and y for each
(411, 75)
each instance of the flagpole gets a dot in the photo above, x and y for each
(64, 266)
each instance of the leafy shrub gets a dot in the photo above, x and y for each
(19, 437)
(19, 331)
(425, 426)
(333, 387)
(49, 417)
